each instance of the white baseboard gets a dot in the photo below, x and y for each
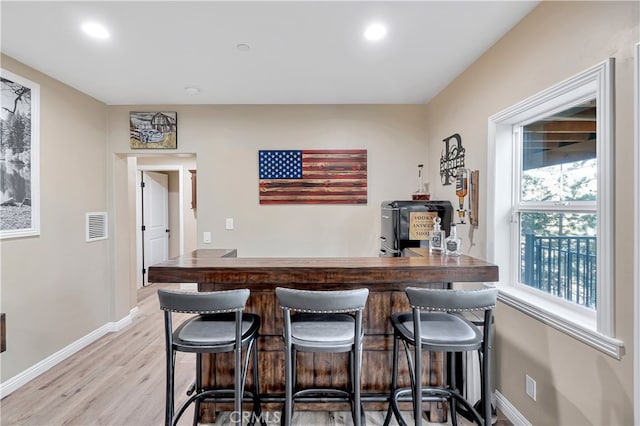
(510, 412)
(21, 379)
(132, 314)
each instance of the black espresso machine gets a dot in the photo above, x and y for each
(407, 223)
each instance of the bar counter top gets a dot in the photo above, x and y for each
(218, 266)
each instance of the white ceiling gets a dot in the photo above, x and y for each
(301, 52)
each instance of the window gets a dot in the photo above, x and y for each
(555, 203)
(551, 203)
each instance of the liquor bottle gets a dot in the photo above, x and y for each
(421, 193)
(436, 237)
(461, 192)
(452, 242)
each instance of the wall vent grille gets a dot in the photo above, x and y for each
(97, 226)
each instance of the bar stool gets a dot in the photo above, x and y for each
(323, 321)
(442, 329)
(218, 325)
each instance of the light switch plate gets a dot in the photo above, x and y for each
(229, 223)
(206, 238)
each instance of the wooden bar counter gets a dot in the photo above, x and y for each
(385, 277)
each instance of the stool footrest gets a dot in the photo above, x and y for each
(218, 395)
(430, 394)
(322, 397)
(214, 395)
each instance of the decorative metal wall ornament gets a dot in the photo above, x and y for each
(451, 159)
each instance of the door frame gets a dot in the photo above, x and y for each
(139, 242)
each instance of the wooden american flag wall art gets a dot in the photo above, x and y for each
(313, 176)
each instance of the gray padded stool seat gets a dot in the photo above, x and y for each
(323, 321)
(218, 325)
(442, 329)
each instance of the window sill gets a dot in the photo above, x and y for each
(580, 327)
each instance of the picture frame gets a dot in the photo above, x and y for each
(19, 156)
(153, 129)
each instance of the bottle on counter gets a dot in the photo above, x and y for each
(421, 193)
(452, 242)
(436, 237)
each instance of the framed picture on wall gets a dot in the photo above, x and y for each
(19, 156)
(153, 130)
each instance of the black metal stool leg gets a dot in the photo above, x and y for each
(289, 373)
(485, 394)
(358, 417)
(394, 381)
(198, 388)
(451, 359)
(351, 388)
(169, 390)
(257, 404)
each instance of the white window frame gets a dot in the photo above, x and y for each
(594, 328)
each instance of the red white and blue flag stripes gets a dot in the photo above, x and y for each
(334, 176)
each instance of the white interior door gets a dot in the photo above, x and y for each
(155, 218)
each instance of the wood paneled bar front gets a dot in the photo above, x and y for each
(385, 277)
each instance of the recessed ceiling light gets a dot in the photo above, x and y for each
(243, 47)
(95, 30)
(375, 32)
(192, 90)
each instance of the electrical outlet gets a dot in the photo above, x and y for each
(206, 238)
(530, 386)
(229, 223)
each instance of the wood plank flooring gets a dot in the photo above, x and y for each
(119, 381)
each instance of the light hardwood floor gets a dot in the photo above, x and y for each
(119, 380)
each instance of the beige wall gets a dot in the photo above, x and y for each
(576, 384)
(227, 139)
(55, 286)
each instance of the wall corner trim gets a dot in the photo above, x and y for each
(21, 379)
